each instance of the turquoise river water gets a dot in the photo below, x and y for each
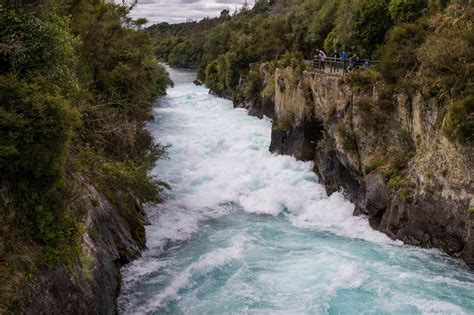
(244, 231)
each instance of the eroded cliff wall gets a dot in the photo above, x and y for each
(113, 235)
(383, 149)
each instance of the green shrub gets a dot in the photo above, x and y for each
(363, 81)
(372, 22)
(398, 55)
(407, 10)
(292, 59)
(251, 87)
(391, 173)
(394, 182)
(458, 122)
(36, 124)
(32, 46)
(131, 176)
(445, 54)
(322, 23)
(212, 80)
(405, 193)
(438, 5)
(87, 264)
(393, 178)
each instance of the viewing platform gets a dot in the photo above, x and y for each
(339, 66)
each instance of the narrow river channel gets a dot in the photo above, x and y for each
(244, 231)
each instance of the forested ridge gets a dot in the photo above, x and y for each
(422, 45)
(77, 83)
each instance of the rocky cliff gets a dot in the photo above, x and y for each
(113, 235)
(383, 148)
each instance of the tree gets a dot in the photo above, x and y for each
(372, 22)
(140, 22)
(407, 10)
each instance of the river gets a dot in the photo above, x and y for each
(244, 231)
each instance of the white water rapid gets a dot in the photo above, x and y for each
(244, 231)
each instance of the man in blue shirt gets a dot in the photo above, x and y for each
(343, 55)
(344, 60)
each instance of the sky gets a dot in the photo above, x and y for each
(174, 11)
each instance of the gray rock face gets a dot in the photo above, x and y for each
(259, 107)
(114, 236)
(376, 195)
(300, 141)
(334, 174)
(430, 198)
(56, 291)
(426, 220)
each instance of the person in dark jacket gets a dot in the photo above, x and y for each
(354, 61)
(334, 62)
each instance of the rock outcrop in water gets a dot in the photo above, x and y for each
(384, 150)
(114, 235)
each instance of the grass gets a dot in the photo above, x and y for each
(394, 182)
(16, 269)
(348, 138)
(285, 122)
(405, 193)
(87, 264)
(375, 164)
(458, 121)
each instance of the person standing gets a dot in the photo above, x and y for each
(335, 61)
(354, 61)
(322, 56)
(344, 60)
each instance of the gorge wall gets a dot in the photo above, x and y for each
(383, 149)
(113, 235)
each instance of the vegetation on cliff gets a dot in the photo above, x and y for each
(422, 45)
(77, 82)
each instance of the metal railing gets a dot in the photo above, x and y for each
(340, 66)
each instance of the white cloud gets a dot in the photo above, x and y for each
(157, 11)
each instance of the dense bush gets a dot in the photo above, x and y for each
(251, 87)
(33, 46)
(372, 22)
(458, 123)
(36, 124)
(446, 70)
(407, 10)
(38, 86)
(399, 54)
(322, 23)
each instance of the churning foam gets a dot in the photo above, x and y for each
(220, 155)
(205, 263)
(219, 163)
